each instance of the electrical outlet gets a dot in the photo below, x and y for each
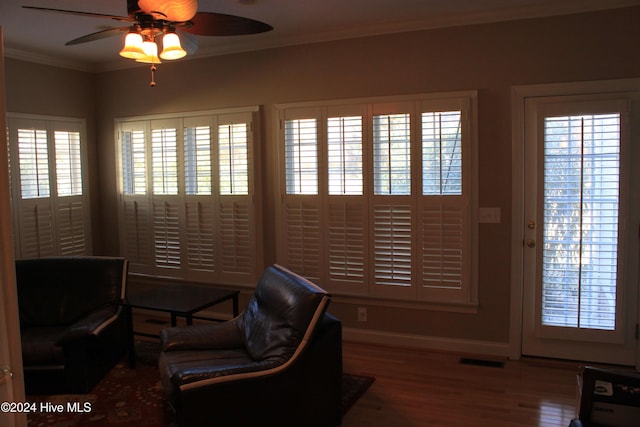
(362, 314)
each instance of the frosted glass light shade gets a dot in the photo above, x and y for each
(133, 47)
(171, 48)
(151, 53)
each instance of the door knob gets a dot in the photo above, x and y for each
(5, 374)
(531, 225)
(531, 243)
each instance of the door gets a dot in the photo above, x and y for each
(581, 228)
(11, 386)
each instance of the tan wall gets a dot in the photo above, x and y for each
(488, 58)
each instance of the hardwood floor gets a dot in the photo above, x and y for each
(417, 388)
(429, 388)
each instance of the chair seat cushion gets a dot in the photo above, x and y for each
(39, 346)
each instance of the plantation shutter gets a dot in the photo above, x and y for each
(443, 247)
(36, 237)
(392, 215)
(136, 234)
(581, 211)
(302, 237)
(166, 232)
(72, 232)
(236, 212)
(347, 217)
(389, 184)
(71, 227)
(392, 245)
(166, 203)
(444, 217)
(189, 193)
(199, 218)
(301, 205)
(36, 227)
(49, 188)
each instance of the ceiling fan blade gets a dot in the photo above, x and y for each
(189, 42)
(218, 24)
(75, 12)
(98, 35)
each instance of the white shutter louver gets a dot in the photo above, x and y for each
(392, 245)
(134, 166)
(164, 161)
(392, 154)
(582, 184)
(347, 242)
(36, 229)
(442, 246)
(301, 156)
(235, 234)
(344, 150)
(442, 153)
(68, 163)
(197, 160)
(199, 225)
(71, 234)
(137, 231)
(233, 159)
(166, 233)
(302, 235)
(34, 163)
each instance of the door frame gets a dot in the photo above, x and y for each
(12, 388)
(518, 96)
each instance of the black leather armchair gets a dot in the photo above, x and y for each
(278, 363)
(72, 326)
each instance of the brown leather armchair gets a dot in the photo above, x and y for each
(72, 326)
(278, 363)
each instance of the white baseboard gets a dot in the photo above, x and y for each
(488, 348)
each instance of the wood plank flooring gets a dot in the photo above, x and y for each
(428, 388)
(415, 387)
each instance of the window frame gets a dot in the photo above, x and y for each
(320, 208)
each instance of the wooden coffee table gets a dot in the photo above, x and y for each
(179, 301)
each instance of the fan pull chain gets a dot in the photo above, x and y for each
(152, 83)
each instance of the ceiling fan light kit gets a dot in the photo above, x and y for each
(156, 21)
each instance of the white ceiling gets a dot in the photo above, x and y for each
(40, 36)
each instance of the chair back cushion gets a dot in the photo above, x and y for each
(278, 315)
(61, 290)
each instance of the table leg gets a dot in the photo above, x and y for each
(131, 342)
(235, 305)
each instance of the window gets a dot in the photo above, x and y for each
(188, 196)
(377, 196)
(50, 198)
(581, 210)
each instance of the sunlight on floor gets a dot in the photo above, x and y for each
(555, 414)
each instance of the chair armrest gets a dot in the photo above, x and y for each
(202, 336)
(90, 325)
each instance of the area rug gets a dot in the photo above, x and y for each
(133, 398)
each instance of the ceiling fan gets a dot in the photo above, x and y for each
(151, 22)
